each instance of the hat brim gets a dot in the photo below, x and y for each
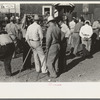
(50, 21)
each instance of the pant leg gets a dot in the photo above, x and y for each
(76, 41)
(7, 65)
(85, 48)
(8, 58)
(36, 61)
(42, 59)
(52, 61)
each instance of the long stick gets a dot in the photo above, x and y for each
(25, 60)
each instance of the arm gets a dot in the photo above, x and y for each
(40, 33)
(91, 32)
(81, 33)
(48, 38)
(27, 36)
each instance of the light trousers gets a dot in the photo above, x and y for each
(39, 56)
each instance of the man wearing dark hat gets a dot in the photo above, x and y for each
(34, 38)
(53, 39)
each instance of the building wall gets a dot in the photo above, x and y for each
(32, 8)
(93, 13)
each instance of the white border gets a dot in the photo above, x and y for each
(50, 90)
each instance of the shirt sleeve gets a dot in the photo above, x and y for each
(91, 32)
(26, 35)
(48, 38)
(81, 33)
(40, 32)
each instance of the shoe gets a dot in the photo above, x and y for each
(53, 76)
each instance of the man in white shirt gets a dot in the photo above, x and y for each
(34, 38)
(72, 25)
(86, 32)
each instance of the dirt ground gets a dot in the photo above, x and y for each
(77, 70)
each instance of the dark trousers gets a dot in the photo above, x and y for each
(26, 48)
(7, 53)
(52, 60)
(62, 57)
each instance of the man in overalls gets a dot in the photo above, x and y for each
(53, 39)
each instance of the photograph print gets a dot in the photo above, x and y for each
(49, 42)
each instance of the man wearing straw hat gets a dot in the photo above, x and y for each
(53, 39)
(34, 38)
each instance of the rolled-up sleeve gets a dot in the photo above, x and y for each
(48, 38)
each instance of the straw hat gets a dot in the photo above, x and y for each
(36, 17)
(50, 18)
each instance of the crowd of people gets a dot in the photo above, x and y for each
(27, 34)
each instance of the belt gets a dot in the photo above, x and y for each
(33, 40)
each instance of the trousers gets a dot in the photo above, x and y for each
(7, 53)
(39, 57)
(86, 44)
(52, 60)
(75, 42)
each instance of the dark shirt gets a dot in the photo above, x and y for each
(78, 27)
(53, 35)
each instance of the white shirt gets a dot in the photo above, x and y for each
(5, 39)
(34, 32)
(72, 25)
(65, 29)
(86, 31)
(96, 25)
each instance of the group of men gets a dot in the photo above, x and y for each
(58, 36)
(83, 32)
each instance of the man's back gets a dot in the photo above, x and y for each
(11, 28)
(55, 33)
(34, 32)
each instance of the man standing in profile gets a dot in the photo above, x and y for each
(53, 39)
(34, 38)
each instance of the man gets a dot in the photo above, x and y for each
(25, 45)
(95, 36)
(64, 30)
(53, 39)
(76, 37)
(7, 48)
(86, 32)
(34, 38)
(12, 30)
(71, 26)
